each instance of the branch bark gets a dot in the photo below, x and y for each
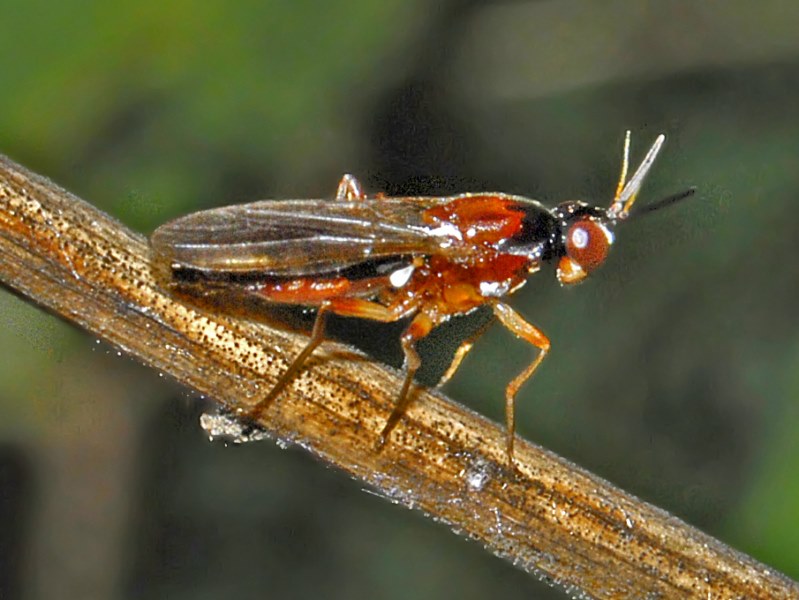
(550, 518)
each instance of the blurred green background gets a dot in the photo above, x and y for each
(674, 371)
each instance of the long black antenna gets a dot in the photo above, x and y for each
(663, 202)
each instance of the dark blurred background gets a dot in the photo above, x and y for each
(675, 369)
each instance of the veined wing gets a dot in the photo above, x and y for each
(303, 237)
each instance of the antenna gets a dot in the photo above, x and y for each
(626, 193)
(663, 202)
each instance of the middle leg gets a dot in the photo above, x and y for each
(462, 351)
(421, 325)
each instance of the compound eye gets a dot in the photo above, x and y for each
(587, 243)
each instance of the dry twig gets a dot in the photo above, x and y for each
(551, 518)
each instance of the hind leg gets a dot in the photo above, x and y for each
(317, 336)
(349, 307)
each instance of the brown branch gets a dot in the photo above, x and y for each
(551, 518)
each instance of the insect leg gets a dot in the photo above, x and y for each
(532, 335)
(365, 309)
(317, 336)
(349, 188)
(462, 351)
(421, 325)
(349, 307)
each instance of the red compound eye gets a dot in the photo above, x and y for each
(587, 243)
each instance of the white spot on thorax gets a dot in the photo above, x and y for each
(401, 276)
(494, 289)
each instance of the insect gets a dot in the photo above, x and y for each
(385, 259)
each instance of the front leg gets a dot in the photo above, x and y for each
(532, 335)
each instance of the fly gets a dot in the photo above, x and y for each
(385, 259)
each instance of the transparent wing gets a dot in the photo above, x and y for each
(302, 237)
